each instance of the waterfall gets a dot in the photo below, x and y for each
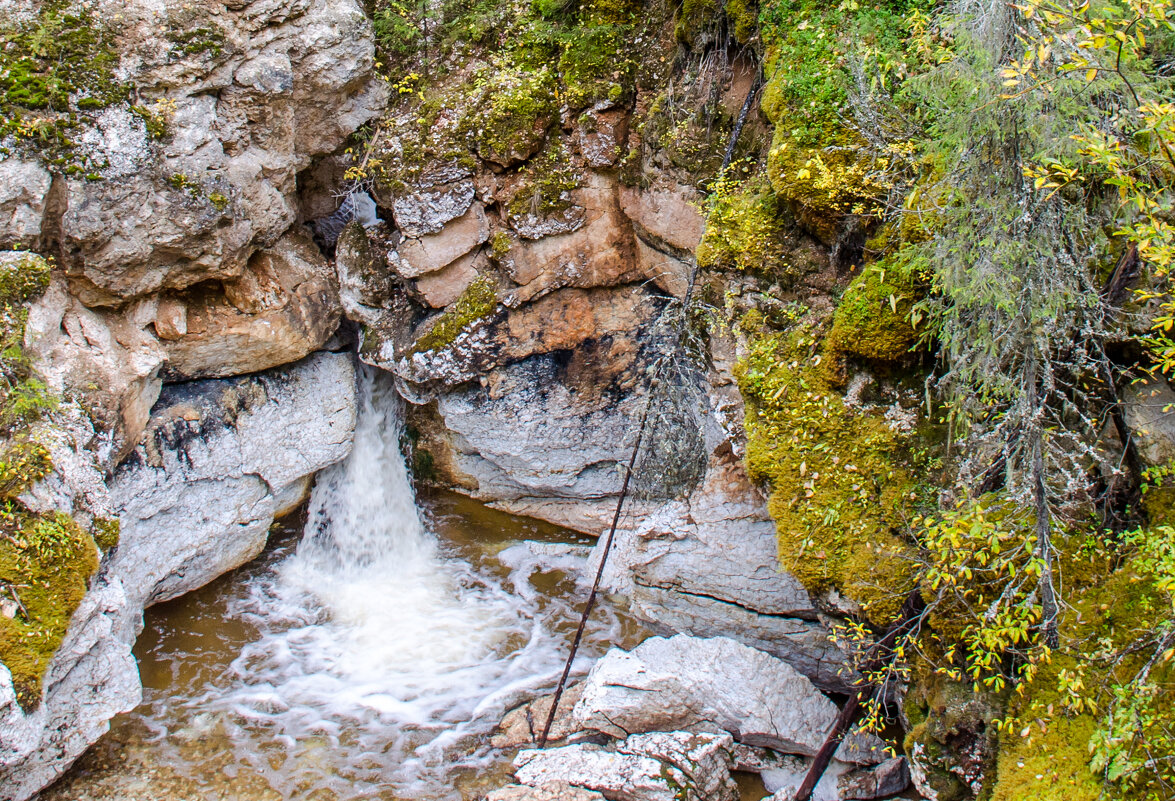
(381, 660)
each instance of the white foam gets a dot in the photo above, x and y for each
(381, 660)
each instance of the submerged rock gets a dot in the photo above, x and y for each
(221, 459)
(687, 682)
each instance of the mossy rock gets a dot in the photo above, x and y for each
(873, 320)
(477, 302)
(747, 229)
(841, 488)
(520, 105)
(46, 562)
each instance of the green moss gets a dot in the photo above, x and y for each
(500, 244)
(22, 464)
(520, 106)
(478, 301)
(548, 180)
(841, 489)
(218, 200)
(23, 277)
(57, 69)
(23, 398)
(745, 230)
(873, 321)
(46, 561)
(197, 40)
(106, 532)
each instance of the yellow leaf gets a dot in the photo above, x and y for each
(1090, 74)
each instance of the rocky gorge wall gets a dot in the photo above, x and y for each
(531, 226)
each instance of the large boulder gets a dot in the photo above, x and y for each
(685, 682)
(707, 565)
(220, 459)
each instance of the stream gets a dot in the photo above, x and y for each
(367, 654)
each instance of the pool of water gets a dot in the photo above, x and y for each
(368, 653)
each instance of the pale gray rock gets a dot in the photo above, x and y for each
(705, 759)
(686, 682)
(535, 226)
(196, 499)
(551, 791)
(220, 459)
(427, 209)
(708, 566)
(23, 187)
(665, 766)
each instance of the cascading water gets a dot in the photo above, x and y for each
(378, 658)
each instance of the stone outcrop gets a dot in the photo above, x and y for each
(273, 86)
(220, 459)
(284, 306)
(666, 684)
(707, 566)
(662, 766)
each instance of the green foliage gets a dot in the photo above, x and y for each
(397, 31)
(478, 301)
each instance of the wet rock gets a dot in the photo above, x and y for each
(221, 457)
(196, 498)
(551, 791)
(524, 726)
(284, 306)
(665, 766)
(431, 252)
(364, 278)
(687, 682)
